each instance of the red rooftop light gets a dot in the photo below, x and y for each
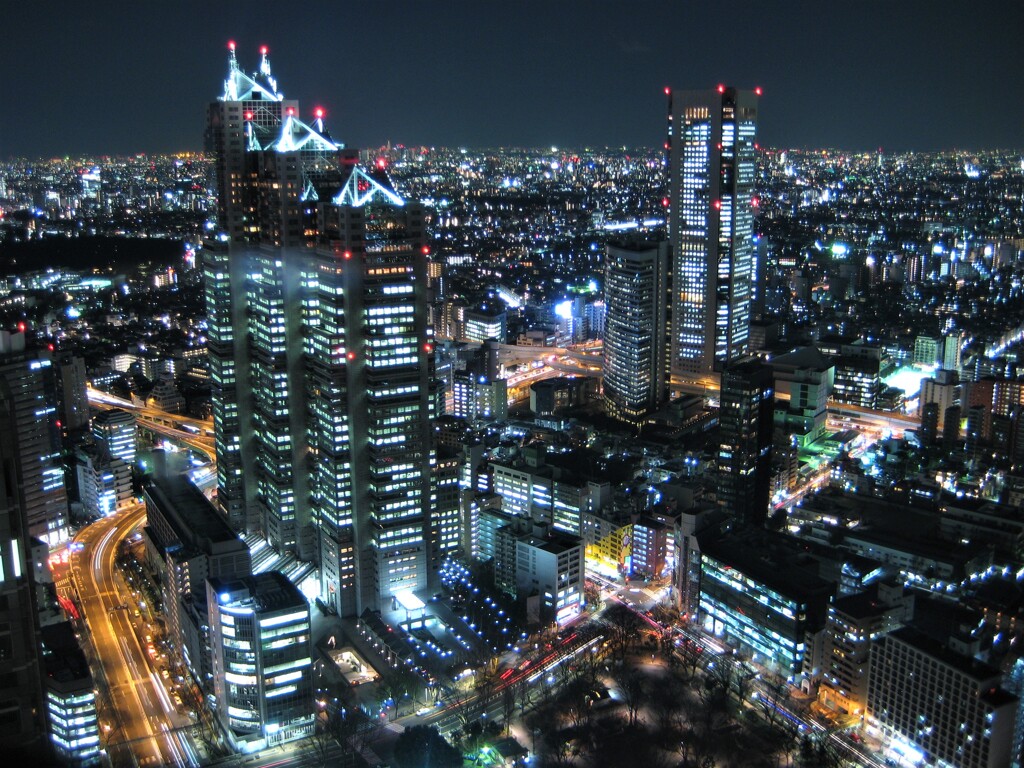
(382, 163)
(667, 90)
(21, 327)
(347, 254)
(248, 115)
(231, 45)
(319, 112)
(351, 355)
(721, 89)
(758, 91)
(264, 50)
(426, 250)
(290, 110)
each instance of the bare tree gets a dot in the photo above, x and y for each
(771, 697)
(623, 628)
(633, 687)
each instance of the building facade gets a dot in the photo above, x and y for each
(938, 705)
(262, 659)
(636, 291)
(711, 159)
(320, 350)
(745, 420)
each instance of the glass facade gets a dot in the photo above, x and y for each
(711, 154)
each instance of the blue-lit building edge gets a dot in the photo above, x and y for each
(753, 617)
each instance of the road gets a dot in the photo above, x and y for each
(162, 422)
(139, 731)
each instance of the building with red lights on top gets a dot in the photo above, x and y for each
(320, 350)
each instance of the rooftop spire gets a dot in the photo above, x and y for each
(232, 61)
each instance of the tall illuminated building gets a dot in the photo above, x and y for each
(272, 169)
(22, 713)
(635, 289)
(370, 367)
(29, 382)
(320, 349)
(746, 420)
(711, 157)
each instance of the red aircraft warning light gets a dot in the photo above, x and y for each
(318, 112)
(231, 45)
(758, 91)
(264, 50)
(721, 89)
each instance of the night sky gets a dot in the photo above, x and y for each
(111, 77)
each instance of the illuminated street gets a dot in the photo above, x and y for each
(142, 726)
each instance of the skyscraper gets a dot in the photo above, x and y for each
(369, 385)
(711, 218)
(22, 723)
(634, 339)
(320, 349)
(271, 170)
(745, 421)
(29, 383)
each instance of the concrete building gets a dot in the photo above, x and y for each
(762, 594)
(188, 541)
(28, 387)
(804, 380)
(945, 390)
(745, 420)
(70, 698)
(73, 395)
(262, 659)
(22, 710)
(531, 487)
(855, 623)
(486, 321)
(550, 571)
(115, 432)
(858, 377)
(939, 705)
(104, 482)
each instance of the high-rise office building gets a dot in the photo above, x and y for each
(271, 169)
(369, 368)
(320, 349)
(635, 290)
(29, 381)
(22, 714)
(711, 157)
(745, 421)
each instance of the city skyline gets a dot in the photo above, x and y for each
(465, 75)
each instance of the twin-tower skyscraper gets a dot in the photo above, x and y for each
(319, 344)
(320, 349)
